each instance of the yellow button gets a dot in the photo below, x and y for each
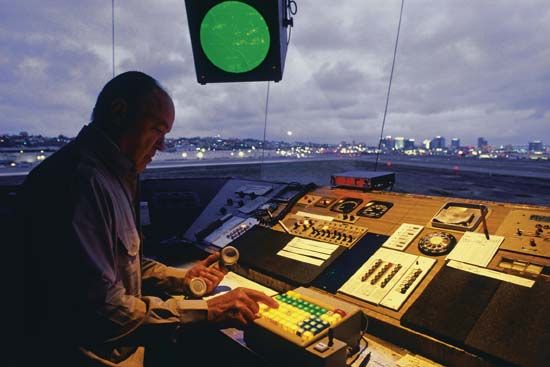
(307, 336)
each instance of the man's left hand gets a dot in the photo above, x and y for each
(212, 275)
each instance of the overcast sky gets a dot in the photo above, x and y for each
(464, 69)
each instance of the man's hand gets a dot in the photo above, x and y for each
(238, 307)
(211, 275)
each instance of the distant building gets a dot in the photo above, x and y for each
(437, 143)
(426, 143)
(536, 146)
(455, 144)
(482, 143)
(409, 144)
(387, 143)
(399, 143)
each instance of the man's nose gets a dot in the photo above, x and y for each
(161, 145)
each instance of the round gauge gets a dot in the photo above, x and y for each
(234, 36)
(325, 202)
(437, 243)
(346, 205)
(375, 209)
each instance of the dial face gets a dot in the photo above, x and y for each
(437, 243)
(325, 202)
(346, 205)
(375, 209)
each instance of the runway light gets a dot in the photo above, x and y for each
(200, 155)
(184, 155)
(289, 133)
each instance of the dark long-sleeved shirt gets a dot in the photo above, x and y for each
(83, 264)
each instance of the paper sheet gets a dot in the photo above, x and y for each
(491, 274)
(313, 245)
(232, 281)
(302, 258)
(307, 251)
(474, 248)
(301, 251)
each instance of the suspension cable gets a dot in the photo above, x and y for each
(389, 87)
(113, 32)
(265, 129)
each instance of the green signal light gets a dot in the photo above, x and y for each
(234, 36)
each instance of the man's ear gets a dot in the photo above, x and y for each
(119, 110)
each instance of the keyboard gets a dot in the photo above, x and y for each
(299, 318)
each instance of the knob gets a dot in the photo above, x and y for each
(223, 210)
(519, 232)
(345, 216)
(532, 243)
(241, 194)
(229, 202)
(351, 217)
(240, 203)
(253, 195)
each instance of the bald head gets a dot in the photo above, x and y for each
(136, 113)
(123, 98)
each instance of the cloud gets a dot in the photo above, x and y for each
(464, 69)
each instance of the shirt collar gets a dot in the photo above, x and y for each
(98, 143)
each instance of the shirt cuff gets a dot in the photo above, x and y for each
(192, 310)
(178, 279)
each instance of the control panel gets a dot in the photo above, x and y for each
(237, 207)
(309, 328)
(388, 277)
(299, 318)
(403, 236)
(323, 228)
(388, 243)
(527, 231)
(231, 229)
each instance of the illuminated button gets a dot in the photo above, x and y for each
(307, 336)
(340, 312)
(322, 325)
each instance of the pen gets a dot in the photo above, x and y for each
(483, 215)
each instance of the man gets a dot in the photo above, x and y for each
(84, 270)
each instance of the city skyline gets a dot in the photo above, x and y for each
(456, 73)
(441, 141)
